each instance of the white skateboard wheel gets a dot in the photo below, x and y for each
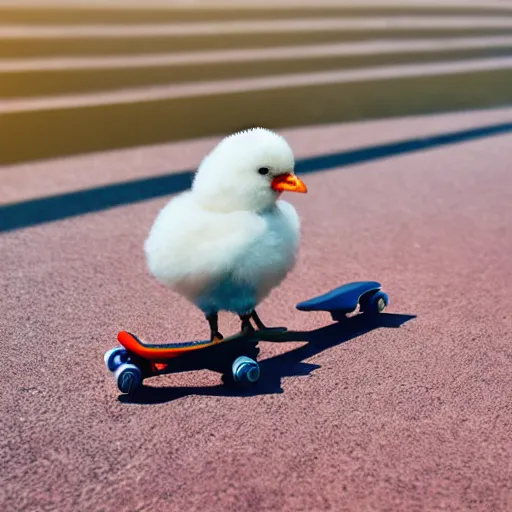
(114, 358)
(128, 378)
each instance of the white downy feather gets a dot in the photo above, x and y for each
(227, 242)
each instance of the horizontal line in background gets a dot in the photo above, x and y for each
(40, 211)
(87, 47)
(189, 90)
(245, 55)
(113, 16)
(245, 27)
(115, 126)
(248, 4)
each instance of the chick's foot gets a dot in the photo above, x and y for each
(213, 321)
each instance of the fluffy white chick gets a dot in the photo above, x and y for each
(229, 240)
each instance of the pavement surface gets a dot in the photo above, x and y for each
(411, 414)
(414, 415)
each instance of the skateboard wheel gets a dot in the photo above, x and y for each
(128, 378)
(245, 369)
(114, 358)
(376, 303)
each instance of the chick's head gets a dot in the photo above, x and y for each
(248, 170)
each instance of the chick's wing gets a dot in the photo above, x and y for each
(189, 248)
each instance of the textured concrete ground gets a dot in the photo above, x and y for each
(411, 416)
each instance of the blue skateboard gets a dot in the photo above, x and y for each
(345, 299)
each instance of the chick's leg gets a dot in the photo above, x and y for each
(262, 327)
(213, 321)
(257, 320)
(246, 327)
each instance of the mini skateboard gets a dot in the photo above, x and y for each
(235, 357)
(345, 299)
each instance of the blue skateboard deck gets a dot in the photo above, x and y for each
(345, 298)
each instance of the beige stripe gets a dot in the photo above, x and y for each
(254, 55)
(252, 4)
(243, 27)
(62, 175)
(188, 90)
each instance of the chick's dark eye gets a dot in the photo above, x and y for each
(263, 170)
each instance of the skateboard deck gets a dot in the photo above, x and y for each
(343, 299)
(153, 352)
(235, 357)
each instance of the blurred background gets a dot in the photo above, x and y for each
(79, 76)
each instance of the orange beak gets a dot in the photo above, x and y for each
(288, 183)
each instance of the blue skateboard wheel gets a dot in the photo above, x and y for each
(375, 304)
(128, 378)
(115, 357)
(245, 369)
